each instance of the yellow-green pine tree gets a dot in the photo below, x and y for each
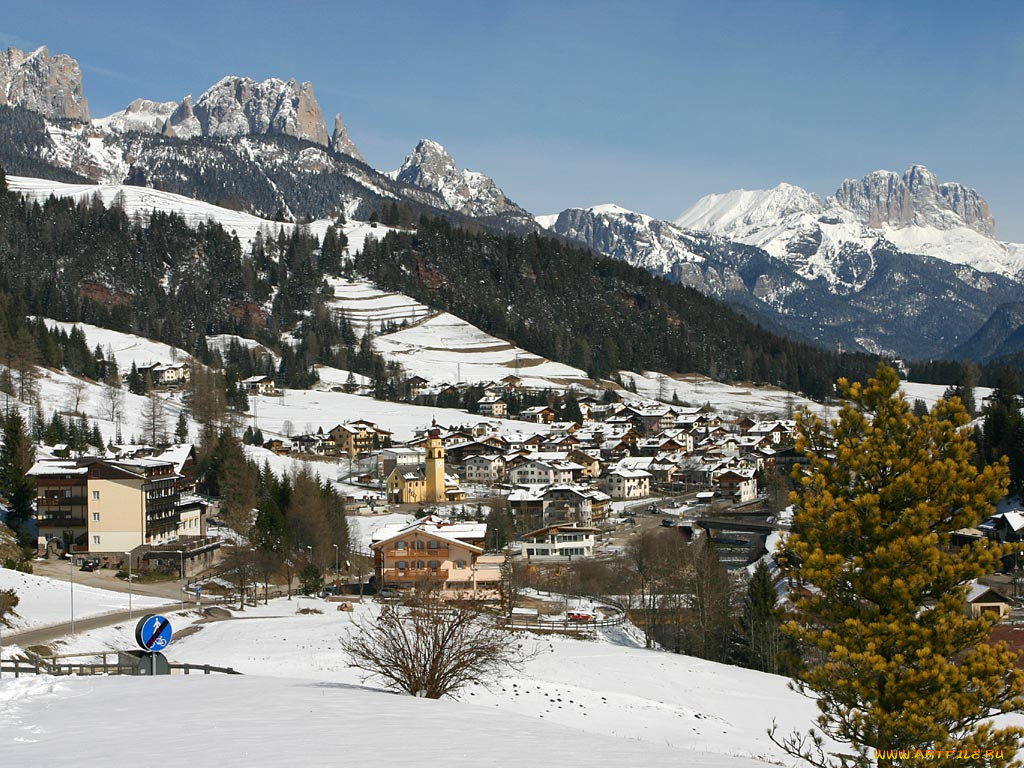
(890, 651)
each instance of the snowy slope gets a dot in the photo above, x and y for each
(440, 347)
(44, 602)
(143, 200)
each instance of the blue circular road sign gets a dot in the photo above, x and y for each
(153, 632)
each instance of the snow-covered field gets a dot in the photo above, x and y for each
(441, 347)
(604, 702)
(697, 390)
(43, 601)
(930, 393)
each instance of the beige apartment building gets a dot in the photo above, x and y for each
(105, 507)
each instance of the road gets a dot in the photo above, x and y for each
(105, 578)
(43, 635)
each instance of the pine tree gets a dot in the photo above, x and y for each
(761, 642)
(892, 656)
(16, 458)
(181, 430)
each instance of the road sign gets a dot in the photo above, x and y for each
(153, 632)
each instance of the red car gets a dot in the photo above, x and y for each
(580, 616)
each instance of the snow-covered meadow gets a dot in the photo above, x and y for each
(603, 701)
(44, 602)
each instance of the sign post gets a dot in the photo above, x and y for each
(153, 634)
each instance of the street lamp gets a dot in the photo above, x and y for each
(129, 554)
(181, 576)
(337, 572)
(71, 562)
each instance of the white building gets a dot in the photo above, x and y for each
(484, 470)
(558, 542)
(629, 483)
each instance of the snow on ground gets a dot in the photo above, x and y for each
(445, 348)
(222, 342)
(126, 348)
(43, 601)
(336, 377)
(308, 410)
(143, 200)
(259, 722)
(439, 346)
(58, 391)
(930, 393)
(705, 713)
(696, 390)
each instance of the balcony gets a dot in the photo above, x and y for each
(412, 575)
(59, 521)
(44, 502)
(441, 553)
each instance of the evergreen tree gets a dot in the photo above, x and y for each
(892, 656)
(16, 458)
(181, 430)
(760, 638)
(136, 385)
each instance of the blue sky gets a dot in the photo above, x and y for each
(649, 105)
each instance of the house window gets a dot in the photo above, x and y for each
(419, 544)
(95, 539)
(400, 565)
(96, 516)
(95, 495)
(419, 565)
(400, 545)
(435, 564)
(460, 563)
(433, 544)
(529, 552)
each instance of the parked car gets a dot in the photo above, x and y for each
(580, 616)
(388, 593)
(90, 565)
(668, 522)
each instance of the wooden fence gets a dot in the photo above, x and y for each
(19, 667)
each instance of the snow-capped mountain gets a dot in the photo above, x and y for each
(232, 107)
(912, 212)
(141, 115)
(430, 166)
(867, 295)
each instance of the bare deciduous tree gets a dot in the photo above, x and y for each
(432, 648)
(76, 396)
(113, 399)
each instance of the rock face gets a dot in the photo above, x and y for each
(915, 198)
(49, 85)
(342, 142)
(237, 106)
(430, 167)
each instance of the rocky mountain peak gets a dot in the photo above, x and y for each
(916, 198)
(50, 85)
(427, 166)
(236, 106)
(342, 142)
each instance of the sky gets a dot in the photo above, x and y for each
(569, 104)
